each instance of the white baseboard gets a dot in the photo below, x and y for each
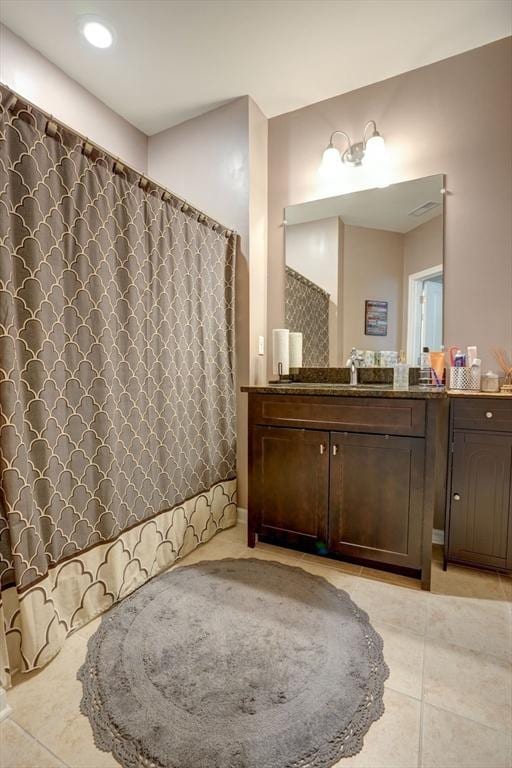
(242, 515)
(5, 709)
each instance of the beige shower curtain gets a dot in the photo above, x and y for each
(117, 416)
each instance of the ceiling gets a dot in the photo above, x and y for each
(389, 208)
(176, 59)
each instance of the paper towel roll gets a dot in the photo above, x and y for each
(295, 349)
(281, 351)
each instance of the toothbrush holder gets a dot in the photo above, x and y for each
(465, 378)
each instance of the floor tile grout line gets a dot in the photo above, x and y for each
(487, 654)
(502, 731)
(422, 699)
(34, 738)
(421, 635)
(395, 626)
(402, 693)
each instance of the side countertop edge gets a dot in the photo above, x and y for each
(343, 390)
(472, 393)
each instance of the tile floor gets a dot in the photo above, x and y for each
(448, 698)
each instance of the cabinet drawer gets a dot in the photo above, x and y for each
(490, 414)
(348, 414)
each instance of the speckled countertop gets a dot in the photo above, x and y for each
(345, 390)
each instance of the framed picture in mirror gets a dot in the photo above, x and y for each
(375, 318)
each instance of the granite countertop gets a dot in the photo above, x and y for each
(345, 390)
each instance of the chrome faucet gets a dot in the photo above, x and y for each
(353, 363)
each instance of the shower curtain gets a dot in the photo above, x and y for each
(307, 311)
(117, 413)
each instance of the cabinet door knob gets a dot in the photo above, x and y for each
(322, 448)
(456, 496)
(488, 414)
(335, 450)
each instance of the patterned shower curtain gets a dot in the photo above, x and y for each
(117, 414)
(307, 311)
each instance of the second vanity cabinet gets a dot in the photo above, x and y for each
(348, 477)
(479, 508)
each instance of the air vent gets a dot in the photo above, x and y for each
(424, 208)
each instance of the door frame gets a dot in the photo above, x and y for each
(413, 316)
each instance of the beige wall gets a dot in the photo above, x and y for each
(31, 75)
(312, 249)
(452, 117)
(258, 235)
(339, 359)
(423, 248)
(372, 269)
(206, 160)
(218, 162)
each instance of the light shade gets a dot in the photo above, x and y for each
(376, 161)
(97, 34)
(331, 163)
(375, 154)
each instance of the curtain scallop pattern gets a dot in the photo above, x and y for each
(116, 381)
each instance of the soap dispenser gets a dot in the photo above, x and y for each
(401, 373)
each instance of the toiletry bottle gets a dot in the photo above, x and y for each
(460, 359)
(437, 363)
(425, 368)
(475, 373)
(401, 374)
(472, 355)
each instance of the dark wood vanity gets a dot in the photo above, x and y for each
(348, 473)
(478, 529)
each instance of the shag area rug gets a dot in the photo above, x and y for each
(233, 664)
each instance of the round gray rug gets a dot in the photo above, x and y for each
(233, 664)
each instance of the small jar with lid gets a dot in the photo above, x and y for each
(490, 382)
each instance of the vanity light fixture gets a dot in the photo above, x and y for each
(371, 151)
(96, 33)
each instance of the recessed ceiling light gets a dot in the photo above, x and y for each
(97, 34)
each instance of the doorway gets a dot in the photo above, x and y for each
(425, 321)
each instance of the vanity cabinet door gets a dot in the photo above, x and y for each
(289, 486)
(376, 498)
(480, 504)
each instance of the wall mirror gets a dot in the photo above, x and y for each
(365, 270)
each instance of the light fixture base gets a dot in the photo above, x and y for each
(354, 154)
